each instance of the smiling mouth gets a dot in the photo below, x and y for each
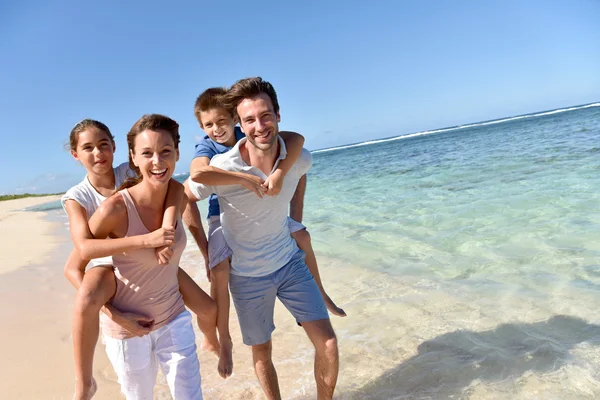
(263, 137)
(159, 173)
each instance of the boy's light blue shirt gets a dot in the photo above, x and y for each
(256, 229)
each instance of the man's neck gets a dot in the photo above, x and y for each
(261, 159)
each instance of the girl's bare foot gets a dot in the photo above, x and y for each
(211, 346)
(225, 367)
(85, 391)
(335, 310)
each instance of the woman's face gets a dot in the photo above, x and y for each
(95, 150)
(155, 155)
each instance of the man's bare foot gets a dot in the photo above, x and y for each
(211, 346)
(225, 367)
(85, 391)
(335, 310)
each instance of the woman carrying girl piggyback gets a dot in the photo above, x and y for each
(152, 328)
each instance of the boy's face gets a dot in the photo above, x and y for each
(218, 125)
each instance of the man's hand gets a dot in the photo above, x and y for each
(253, 183)
(137, 325)
(160, 237)
(274, 183)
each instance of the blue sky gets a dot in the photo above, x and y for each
(345, 71)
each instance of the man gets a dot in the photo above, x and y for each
(266, 262)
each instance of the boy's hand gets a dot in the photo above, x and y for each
(160, 237)
(253, 183)
(274, 183)
(137, 325)
(163, 254)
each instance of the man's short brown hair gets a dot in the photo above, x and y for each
(209, 99)
(247, 88)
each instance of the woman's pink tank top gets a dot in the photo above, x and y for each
(143, 286)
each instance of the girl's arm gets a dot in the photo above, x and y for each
(293, 143)
(88, 247)
(202, 172)
(173, 203)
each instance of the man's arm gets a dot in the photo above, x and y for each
(297, 202)
(202, 172)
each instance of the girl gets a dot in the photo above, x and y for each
(93, 145)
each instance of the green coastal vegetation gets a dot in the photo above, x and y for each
(4, 197)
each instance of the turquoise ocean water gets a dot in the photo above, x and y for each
(468, 260)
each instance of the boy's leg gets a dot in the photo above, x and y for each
(302, 238)
(299, 293)
(219, 290)
(203, 306)
(96, 289)
(175, 348)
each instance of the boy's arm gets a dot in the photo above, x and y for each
(88, 247)
(191, 217)
(297, 202)
(202, 172)
(293, 143)
(172, 212)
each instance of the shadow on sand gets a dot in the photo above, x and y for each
(446, 365)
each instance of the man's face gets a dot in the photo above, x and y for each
(218, 125)
(259, 121)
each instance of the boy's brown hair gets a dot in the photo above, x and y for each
(248, 88)
(209, 99)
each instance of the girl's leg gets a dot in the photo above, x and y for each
(175, 349)
(135, 364)
(204, 307)
(302, 238)
(96, 289)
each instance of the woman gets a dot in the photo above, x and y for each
(145, 287)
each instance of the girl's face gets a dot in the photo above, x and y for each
(95, 150)
(155, 155)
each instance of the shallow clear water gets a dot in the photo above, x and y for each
(467, 260)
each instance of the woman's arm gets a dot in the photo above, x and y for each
(88, 247)
(293, 143)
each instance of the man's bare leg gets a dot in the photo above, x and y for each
(97, 288)
(219, 290)
(205, 309)
(327, 362)
(265, 370)
(302, 238)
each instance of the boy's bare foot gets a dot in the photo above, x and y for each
(225, 367)
(211, 346)
(85, 391)
(335, 310)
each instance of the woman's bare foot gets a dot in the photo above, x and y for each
(225, 367)
(85, 391)
(335, 310)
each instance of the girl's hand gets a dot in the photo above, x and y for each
(164, 254)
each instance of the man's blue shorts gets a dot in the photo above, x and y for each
(254, 299)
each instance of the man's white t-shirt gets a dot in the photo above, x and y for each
(88, 197)
(255, 229)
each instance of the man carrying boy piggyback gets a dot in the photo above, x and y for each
(219, 125)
